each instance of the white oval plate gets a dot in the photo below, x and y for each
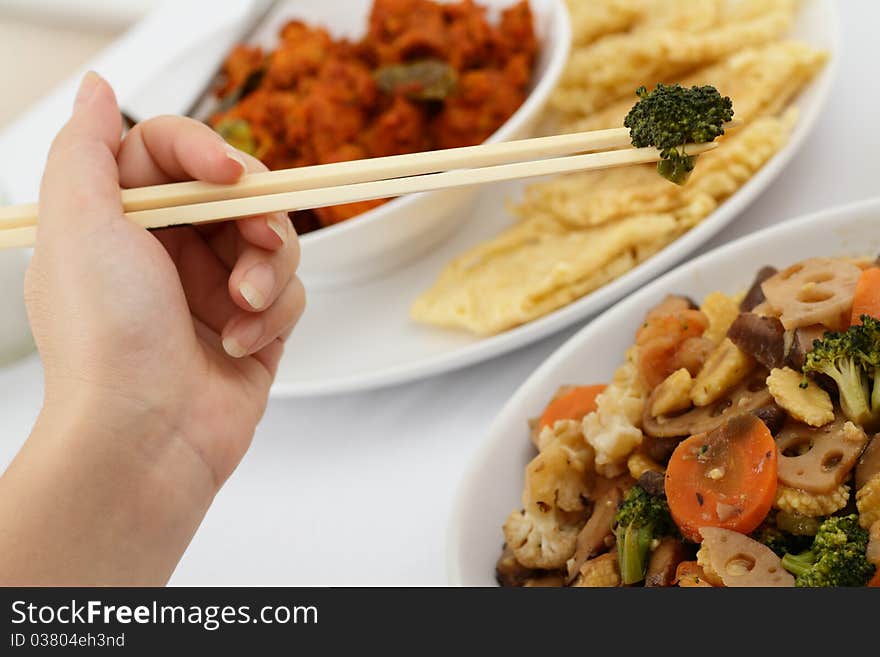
(492, 487)
(361, 337)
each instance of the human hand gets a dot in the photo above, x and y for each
(125, 319)
(158, 352)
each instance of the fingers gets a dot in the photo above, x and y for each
(271, 231)
(171, 148)
(270, 356)
(80, 186)
(249, 333)
(259, 276)
(239, 277)
(205, 279)
(228, 239)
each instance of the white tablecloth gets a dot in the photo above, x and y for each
(357, 489)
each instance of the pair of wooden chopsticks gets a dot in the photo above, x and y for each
(360, 180)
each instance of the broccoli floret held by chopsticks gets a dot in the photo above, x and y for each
(671, 116)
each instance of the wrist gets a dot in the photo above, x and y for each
(114, 494)
(133, 436)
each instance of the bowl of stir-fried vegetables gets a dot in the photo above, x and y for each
(326, 82)
(717, 428)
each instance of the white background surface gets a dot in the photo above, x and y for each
(357, 489)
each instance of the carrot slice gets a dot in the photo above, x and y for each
(867, 297)
(724, 478)
(572, 405)
(875, 580)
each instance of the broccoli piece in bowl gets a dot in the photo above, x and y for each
(671, 116)
(852, 359)
(836, 558)
(641, 519)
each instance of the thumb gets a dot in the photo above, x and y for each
(80, 187)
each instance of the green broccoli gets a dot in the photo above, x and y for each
(641, 518)
(836, 558)
(671, 116)
(869, 350)
(852, 359)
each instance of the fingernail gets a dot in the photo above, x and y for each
(280, 225)
(232, 347)
(257, 285)
(87, 87)
(240, 342)
(236, 156)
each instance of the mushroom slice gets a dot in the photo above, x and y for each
(815, 291)
(817, 460)
(801, 344)
(749, 395)
(594, 536)
(773, 416)
(762, 338)
(741, 561)
(755, 295)
(664, 562)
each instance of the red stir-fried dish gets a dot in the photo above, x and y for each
(426, 76)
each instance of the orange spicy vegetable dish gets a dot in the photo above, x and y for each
(735, 446)
(425, 76)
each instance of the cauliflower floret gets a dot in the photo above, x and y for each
(721, 311)
(558, 480)
(674, 394)
(614, 428)
(600, 572)
(794, 500)
(868, 502)
(542, 539)
(810, 405)
(562, 474)
(724, 369)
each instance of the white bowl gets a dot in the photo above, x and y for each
(492, 487)
(405, 228)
